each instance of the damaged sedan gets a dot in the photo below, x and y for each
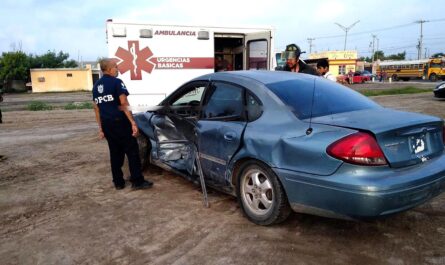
(281, 141)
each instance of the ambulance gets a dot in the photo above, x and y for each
(154, 60)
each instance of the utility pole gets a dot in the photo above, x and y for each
(374, 38)
(310, 44)
(346, 29)
(419, 46)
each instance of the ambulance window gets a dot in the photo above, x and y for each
(191, 97)
(257, 55)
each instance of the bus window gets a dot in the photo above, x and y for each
(435, 65)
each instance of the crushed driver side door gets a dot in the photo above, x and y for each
(174, 128)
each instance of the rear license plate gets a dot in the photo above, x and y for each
(418, 144)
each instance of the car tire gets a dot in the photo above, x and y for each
(395, 78)
(143, 150)
(433, 77)
(261, 195)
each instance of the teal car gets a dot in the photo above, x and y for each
(283, 142)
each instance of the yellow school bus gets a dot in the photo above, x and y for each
(402, 70)
(435, 69)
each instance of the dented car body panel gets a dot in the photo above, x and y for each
(234, 117)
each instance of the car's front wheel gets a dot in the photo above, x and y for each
(143, 150)
(261, 195)
(433, 77)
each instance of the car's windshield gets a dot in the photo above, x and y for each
(329, 97)
(366, 73)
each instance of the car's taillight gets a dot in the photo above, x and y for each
(358, 148)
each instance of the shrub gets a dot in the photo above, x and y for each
(39, 105)
(78, 105)
(395, 91)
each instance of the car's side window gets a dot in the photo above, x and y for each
(253, 106)
(225, 101)
(191, 97)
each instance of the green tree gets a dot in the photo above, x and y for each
(399, 56)
(438, 55)
(379, 55)
(14, 66)
(52, 59)
(366, 59)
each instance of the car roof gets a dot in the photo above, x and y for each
(264, 77)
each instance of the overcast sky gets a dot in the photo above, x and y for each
(78, 27)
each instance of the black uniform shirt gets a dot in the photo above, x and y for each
(106, 92)
(303, 68)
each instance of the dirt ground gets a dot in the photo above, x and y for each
(58, 206)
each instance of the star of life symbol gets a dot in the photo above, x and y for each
(134, 60)
(418, 145)
(100, 88)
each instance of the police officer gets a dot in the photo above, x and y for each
(294, 64)
(117, 125)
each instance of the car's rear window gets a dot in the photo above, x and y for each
(328, 97)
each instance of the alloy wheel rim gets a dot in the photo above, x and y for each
(257, 192)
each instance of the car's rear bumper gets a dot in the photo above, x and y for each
(370, 194)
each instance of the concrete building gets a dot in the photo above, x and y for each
(62, 79)
(340, 62)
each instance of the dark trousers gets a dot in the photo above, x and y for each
(121, 142)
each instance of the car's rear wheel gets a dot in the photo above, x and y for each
(395, 78)
(261, 195)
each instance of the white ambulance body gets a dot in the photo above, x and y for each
(154, 60)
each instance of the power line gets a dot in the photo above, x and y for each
(366, 32)
(437, 20)
(437, 38)
(378, 30)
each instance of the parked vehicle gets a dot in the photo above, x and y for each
(439, 91)
(369, 75)
(280, 141)
(435, 69)
(154, 60)
(402, 70)
(358, 77)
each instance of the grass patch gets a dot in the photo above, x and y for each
(83, 105)
(394, 91)
(38, 105)
(66, 92)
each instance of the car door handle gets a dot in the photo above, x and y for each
(229, 136)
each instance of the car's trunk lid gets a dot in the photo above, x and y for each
(405, 138)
